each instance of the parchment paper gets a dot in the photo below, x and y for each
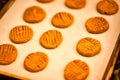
(66, 52)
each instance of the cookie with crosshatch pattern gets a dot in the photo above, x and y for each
(34, 14)
(62, 20)
(97, 25)
(8, 54)
(75, 4)
(36, 61)
(21, 34)
(51, 39)
(45, 1)
(88, 47)
(107, 7)
(76, 70)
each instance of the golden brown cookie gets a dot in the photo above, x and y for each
(35, 62)
(34, 14)
(97, 25)
(8, 54)
(107, 7)
(76, 70)
(51, 39)
(88, 47)
(45, 1)
(75, 4)
(62, 20)
(21, 34)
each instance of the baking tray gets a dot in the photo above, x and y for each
(66, 52)
(112, 62)
(5, 7)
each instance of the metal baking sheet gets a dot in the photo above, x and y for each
(66, 52)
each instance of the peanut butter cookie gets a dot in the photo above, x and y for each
(76, 70)
(8, 54)
(62, 20)
(35, 62)
(75, 4)
(45, 1)
(88, 47)
(107, 7)
(34, 14)
(21, 34)
(97, 25)
(51, 39)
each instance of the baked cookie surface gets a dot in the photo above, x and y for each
(35, 62)
(107, 7)
(62, 20)
(51, 39)
(97, 25)
(21, 34)
(34, 14)
(75, 4)
(88, 47)
(8, 54)
(45, 1)
(76, 70)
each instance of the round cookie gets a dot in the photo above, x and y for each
(45, 1)
(8, 54)
(62, 20)
(75, 4)
(76, 70)
(35, 62)
(97, 25)
(51, 39)
(34, 14)
(88, 47)
(21, 34)
(107, 7)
